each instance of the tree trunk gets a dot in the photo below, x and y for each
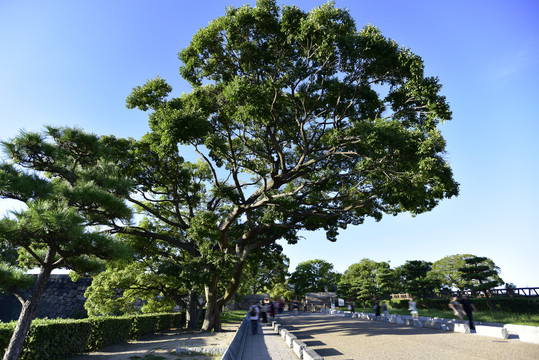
(489, 300)
(26, 316)
(212, 319)
(192, 312)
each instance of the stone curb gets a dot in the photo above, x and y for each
(299, 347)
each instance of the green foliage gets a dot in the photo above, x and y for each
(56, 339)
(13, 280)
(108, 330)
(447, 271)
(66, 182)
(232, 316)
(301, 122)
(313, 276)
(50, 339)
(143, 325)
(366, 280)
(481, 273)
(60, 339)
(414, 277)
(265, 268)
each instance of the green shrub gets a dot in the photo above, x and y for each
(6, 330)
(60, 339)
(143, 325)
(164, 322)
(56, 339)
(178, 320)
(108, 330)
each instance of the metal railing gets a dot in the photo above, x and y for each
(509, 292)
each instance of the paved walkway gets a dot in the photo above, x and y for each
(267, 345)
(340, 338)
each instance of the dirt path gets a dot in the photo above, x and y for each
(164, 345)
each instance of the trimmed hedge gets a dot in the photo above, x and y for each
(59, 339)
(56, 339)
(108, 331)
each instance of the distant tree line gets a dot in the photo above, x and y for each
(368, 279)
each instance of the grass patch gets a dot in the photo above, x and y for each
(485, 316)
(232, 316)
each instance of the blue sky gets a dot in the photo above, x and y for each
(73, 63)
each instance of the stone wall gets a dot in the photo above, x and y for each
(62, 298)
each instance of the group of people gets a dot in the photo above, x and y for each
(463, 306)
(380, 308)
(459, 307)
(263, 311)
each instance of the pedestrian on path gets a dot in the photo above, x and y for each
(456, 307)
(384, 309)
(272, 307)
(264, 308)
(468, 308)
(254, 314)
(376, 308)
(412, 307)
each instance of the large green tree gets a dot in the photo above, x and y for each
(313, 276)
(301, 122)
(447, 271)
(413, 275)
(66, 184)
(360, 281)
(482, 275)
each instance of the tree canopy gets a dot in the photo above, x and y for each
(447, 271)
(482, 275)
(301, 122)
(314, 276)
(70, 194)
(366, 280)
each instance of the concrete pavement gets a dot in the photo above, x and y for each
(266, 345)
(340, 338)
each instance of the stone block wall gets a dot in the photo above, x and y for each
(62, 298)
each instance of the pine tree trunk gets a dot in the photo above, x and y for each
(489, 301)
(26, 316)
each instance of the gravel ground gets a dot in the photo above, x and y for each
(165, 344)
(339, 338)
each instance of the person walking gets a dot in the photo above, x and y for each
(468, 308)
(412, 307)
(272, 307)
(384, 309)
(264, 312)
(456, 307)
(254, 314)
(376, 308)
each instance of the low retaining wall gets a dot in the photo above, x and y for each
(529, 334)
(235, 349)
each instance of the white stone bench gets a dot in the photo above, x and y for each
(529, 334)
(493, 331)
